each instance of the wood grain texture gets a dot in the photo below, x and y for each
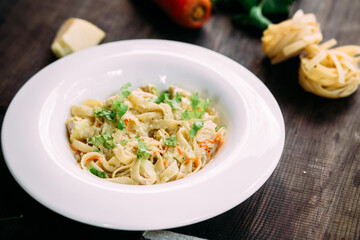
(314, 193)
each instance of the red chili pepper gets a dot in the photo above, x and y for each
(187, 13)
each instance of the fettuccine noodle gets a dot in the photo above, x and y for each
(288, 38)
(331, 73)
(143, 137)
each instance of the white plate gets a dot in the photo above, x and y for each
(36, 148)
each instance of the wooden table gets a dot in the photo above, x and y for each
(314, 192)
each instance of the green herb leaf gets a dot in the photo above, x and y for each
(142, 151)
(119, 109)
(165, 97)
(107, 135)
(187, 115)
(121, 125)
(125, 86)
(198, 107)
(103, 112)
(125, 141)
(96, 140)
(197, 125)
(105, 139)
(170, 141)
(175, 102)
(109, 144)
(122, 110)
(117, 103)
(194, 100)
(203, 105)
(97, 173)
(124, 92)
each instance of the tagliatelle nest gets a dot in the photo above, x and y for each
(331, 73)
(289, 38)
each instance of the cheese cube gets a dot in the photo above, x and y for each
(76, 34)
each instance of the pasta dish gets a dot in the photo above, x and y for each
(143, 136)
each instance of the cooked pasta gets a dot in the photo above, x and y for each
(143, 137)
(289, 38)
(331, 73)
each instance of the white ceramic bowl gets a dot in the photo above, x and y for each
(36, 147)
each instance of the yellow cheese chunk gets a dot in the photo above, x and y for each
(76, 34)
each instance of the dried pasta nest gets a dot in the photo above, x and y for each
(289, 38)
(330, 73)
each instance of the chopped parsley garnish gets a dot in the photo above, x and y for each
(97, 172)
(102, 139)
(194, 100)
(196, 127)
(125, 86)
(162, 97)
(124, 92)
(119, 109)
(103, 112)
(121, 125)
(165, 97)
(170, 141)
(125, 141)
(96, 140)
(142, 151)
(107, 135)
(198, 107)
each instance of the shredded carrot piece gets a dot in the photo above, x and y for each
(155, 152)
(188, 160)
(97, 124)
(197, 162)
(196, 159)
(74, 149)
(219, 141)
(126, 121)
(207, 140)
(206, 147)
(179, 150)
(94, 158)
(164, 162)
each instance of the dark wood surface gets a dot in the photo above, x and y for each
(314, 193)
